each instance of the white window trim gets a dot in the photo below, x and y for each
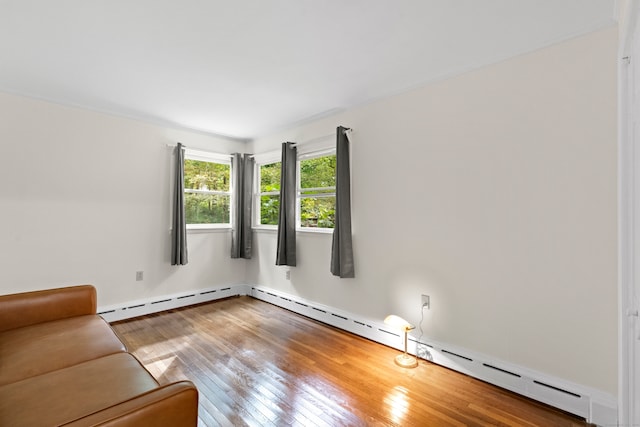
(202, 228)
(299, 196)
(316, 153)
(262, 160)
(314, 230)
(267, 157)
(207, 156)
(308, 151)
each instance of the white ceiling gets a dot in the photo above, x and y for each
(244, 68)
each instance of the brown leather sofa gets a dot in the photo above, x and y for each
(62, 364)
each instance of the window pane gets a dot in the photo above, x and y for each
(206, 208)
(317, 212)
(270, 177)
(269, 207)
(318, 172)
(200, 175)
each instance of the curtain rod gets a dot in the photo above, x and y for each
(347, 132)
(199, 150)
(309, 141)
(322, 138)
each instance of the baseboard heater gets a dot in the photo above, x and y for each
(594, 405)
(155, 305)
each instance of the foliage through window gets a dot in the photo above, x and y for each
(317, 191)
(207, 198)
(269, 193)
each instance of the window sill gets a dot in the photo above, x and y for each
(298, 230)
(202, 228)
(263, 229)
(315, 230)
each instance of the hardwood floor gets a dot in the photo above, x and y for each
(256, 364)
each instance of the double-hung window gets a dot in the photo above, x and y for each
(316, 190)
(207, 189)
(268, 196)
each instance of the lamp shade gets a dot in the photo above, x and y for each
(398, 322)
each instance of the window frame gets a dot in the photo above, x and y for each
(262, 160)
(225, 159)
(307, 155)
(304, 153)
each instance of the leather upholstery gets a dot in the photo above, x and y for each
(78, 391)
(44, 347)
(61, 364)
(42, 306)
(168, 406)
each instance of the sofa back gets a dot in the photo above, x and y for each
(18, 310)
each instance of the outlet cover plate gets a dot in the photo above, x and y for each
(426, 301)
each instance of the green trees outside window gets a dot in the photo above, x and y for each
(207, 197)
(318, 192)
(269, 193)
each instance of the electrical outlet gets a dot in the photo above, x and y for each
(426, 301)
(287, 275)
(139, 276)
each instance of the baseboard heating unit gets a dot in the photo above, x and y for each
(594, 405)
(114, 313)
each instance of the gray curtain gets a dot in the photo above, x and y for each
(179, 229)
(341, 247)
(242, 166)
(286, 254)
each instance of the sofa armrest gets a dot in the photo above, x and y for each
(172, 405)
(29, 308)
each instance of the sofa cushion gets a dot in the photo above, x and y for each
(44, 347)
(67, 394)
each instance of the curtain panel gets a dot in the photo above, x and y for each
(341, 247)
(286, 252)
(179, 226)
(242, 166)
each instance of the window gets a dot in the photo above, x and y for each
(269, 194)
(207, 188)
(317, 190)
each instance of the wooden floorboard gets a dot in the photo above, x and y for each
(256, 364)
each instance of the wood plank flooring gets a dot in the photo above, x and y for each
(256, 364)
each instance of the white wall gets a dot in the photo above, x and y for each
(495, 193)
(85, 198)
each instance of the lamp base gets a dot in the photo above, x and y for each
(406, 361)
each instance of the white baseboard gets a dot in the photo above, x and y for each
(113, 313)
(594, 405)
